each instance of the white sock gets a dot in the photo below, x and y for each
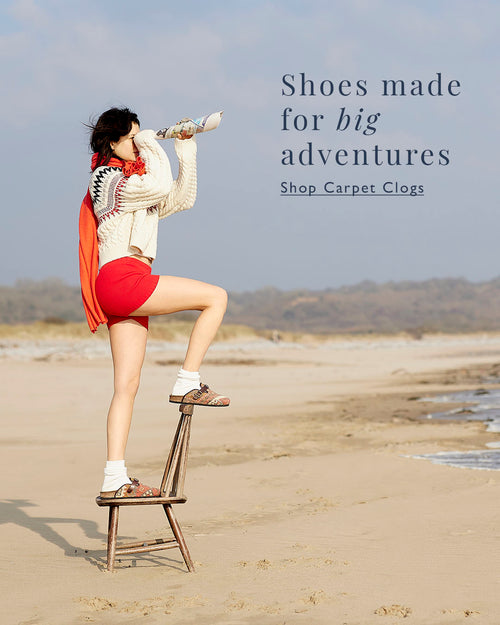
(186, 381)
(115, 475)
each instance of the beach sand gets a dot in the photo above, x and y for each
(305, 504)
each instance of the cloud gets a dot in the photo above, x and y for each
(28, 12)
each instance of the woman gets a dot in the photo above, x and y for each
(130, 189)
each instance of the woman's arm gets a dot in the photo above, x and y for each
(154, 185)
(182, 194)
(111, 190)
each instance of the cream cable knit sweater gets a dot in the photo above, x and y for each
(128, 209)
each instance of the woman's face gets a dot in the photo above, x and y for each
(125, 147)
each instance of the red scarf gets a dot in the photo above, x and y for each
(88, 249)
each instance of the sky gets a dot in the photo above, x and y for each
(63, 63)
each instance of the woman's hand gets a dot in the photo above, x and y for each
(184, 135)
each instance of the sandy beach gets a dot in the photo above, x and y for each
(305, 502)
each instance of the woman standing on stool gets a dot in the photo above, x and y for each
(130, 189)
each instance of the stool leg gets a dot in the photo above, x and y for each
(176, 529)
(112, 532)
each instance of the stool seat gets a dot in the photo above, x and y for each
(137, 501)
(171, 493)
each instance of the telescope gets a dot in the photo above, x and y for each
(191, 126)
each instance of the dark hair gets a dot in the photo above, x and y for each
(111, 125)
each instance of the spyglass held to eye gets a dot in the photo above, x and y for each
(189, 126)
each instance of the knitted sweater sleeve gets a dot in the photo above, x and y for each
(182, 194)
(151, 188)
(112, 192)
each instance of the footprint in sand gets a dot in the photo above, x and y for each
(466, 613)
(97, 604)
(393, 610)
(260, 564)
(310, 599)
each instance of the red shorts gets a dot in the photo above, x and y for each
(122, 286)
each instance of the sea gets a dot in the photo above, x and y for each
(482, 404)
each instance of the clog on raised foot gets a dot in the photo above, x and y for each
(136, 489)
(200, 397)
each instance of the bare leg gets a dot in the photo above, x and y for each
(174, 294)
(128, 347)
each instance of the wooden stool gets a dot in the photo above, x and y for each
(171, 492)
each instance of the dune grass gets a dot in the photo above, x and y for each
(163, 331)
(171, 331)
(179, 331)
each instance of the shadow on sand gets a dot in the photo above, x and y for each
(11, 511)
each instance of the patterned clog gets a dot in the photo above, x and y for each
(136, 489)
(200, 397)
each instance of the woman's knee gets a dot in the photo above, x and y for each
(220, 298)
(127, 385)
